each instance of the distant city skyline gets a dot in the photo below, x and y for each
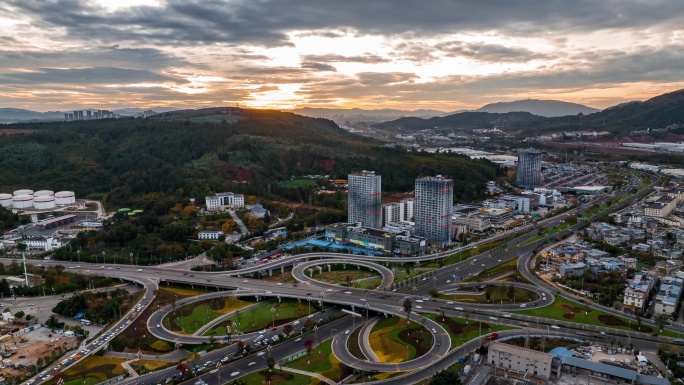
(445, 55)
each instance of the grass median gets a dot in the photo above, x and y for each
(189, 318)
(463, 330)
(262, 317)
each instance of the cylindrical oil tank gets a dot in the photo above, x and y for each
(65, 197)
(22, 201)
(23, 192)
(44, 202)
(5, 200)
(44, 193)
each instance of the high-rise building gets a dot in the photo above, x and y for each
(364, 190)
(406, 214)
(89, 114)
(80, 115)
(529, 168)
(66, 116)
(434, 203)
(75, 115)
(391, 212)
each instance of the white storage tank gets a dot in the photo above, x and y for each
(65, 197)
(22, 201)
(23, 192)
(44, 202)
(44, 193)
(5, 200)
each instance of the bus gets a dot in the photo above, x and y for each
(86, 322)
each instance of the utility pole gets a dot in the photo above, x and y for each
(25, 273)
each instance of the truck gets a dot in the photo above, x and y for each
(492, 337)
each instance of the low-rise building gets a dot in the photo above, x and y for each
(519, 359)
(224, 200)
(42, 243)
(572, 270)
(662, 207)
(209, 235)
(402, 243)
(636, 293)
(667, 297)
(473, 222)
(258, 211)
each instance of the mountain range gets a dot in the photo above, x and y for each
(22, 115)
(658, 112)
(547, 108)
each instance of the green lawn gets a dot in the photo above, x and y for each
(389, 346)
(200, 314)
(497, 295)
(259, 378)
(320, 359)
(566, 310)
(461, 330)
(299, 183)
(261, 317)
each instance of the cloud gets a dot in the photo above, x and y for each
(488, 52)
(334, 58)
(381, 78)
(318, 66)
(85, 76)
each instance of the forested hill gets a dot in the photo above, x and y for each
(462, 120)
(193, 153)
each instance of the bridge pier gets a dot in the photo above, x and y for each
(310, 271)
(280, 299)
(270, 272)
(329, 267)
(320, 269)
(282, 269)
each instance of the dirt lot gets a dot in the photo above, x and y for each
(38, 345)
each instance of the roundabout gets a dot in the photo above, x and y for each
(300, 270)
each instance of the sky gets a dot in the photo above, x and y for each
(445, 55)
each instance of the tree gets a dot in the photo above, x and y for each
(408, 305)
(661, 321)
(19, 314)
(434, 292)
(39, 362)
(270, 362)
(240, 346)
(308, 345)
(445, 378)
(182, 368)
(488, 293)
(287, 329)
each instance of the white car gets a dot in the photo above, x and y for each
(347, 292)
(298, 339)
(493, 318)
(262, 331)
(234, 374)
(213, 371)
(260, 354)
(363, 299)
(448, 281)
(459, 308)
(419, 300)
(419, 307)
(252, 363)
(507, 316)
(434, 330)
(450, 303)
(523, 305)
(555, 327)
(139, 270)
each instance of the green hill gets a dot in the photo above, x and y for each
(462, 120)
(192, 153)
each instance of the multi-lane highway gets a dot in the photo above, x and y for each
(357, 300)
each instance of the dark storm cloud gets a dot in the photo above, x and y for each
(263, 22)
(95, 75)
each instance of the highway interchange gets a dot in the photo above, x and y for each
(382, 302)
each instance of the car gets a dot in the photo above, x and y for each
(347, 292)
(252, 363)
(483, 265)
(296, 323)
(450, 303)
(448, 281)
(225, 359)
(234, 373)
(262, 331)
(213, 371)
(418, 307)
(493, 318)
(362, 299)
(274, 329)
(419, 300)
(346, 332)
(459, 308)
(506, 316)
(298, 339)
(555, 327)
(78, 266)
(185, 273)
(499, 260)
(434, 330)
(158, 325)
(269, 292)
(139, 270)
(279, 283)
(523, 305)
(245, 281)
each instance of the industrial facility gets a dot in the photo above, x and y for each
(39, 200)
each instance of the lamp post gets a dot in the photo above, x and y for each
(273, 310)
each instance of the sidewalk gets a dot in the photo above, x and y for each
(315, 375)
(126, 365)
